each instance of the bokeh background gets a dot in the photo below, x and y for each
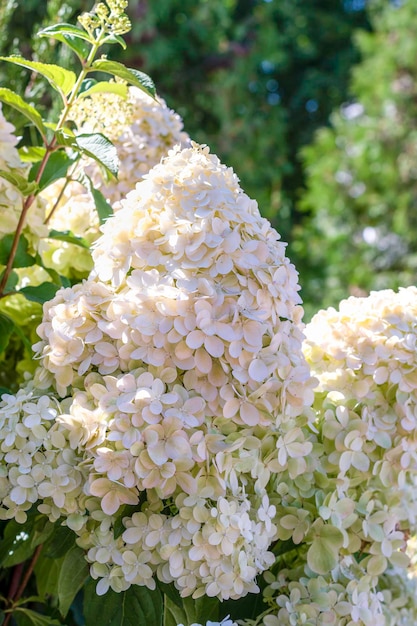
(313, 103)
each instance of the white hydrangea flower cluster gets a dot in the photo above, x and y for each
(188, 395)
(364, 508)
(346, 597)
(36, 459)
(142, 130)
(11, 200)
(364, 356)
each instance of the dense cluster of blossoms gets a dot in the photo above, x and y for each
(142, 130)
(186, 395)
(364, 507)
(11, 200)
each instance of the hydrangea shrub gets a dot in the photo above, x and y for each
(185, 393)
(363, 356)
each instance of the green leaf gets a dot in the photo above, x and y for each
(59, 543)
(20, 540)
(27, 617)
(106, 87)
(40, 293)
(137, 605)
(57, 279)
(14, 100)
(21, 183)
(101, 149)
(132, 76)
(56, 167)
(103, 208)
(22, 258)
(191, 611)
(60, 79)
(74, 37)
(73, 574)
(31, 154)
(69, 237)
(116, 39)
(282, 547)
(47, 574)
(11, 281)
(6, 330)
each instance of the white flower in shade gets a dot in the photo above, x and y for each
(142, 130)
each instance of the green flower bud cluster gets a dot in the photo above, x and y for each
(108, 18)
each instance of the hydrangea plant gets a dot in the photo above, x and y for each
(185, 390)
(363, 512)
(182, 443)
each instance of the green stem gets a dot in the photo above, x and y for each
(51, 147)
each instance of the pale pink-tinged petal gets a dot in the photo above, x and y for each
(258, 370)
(231, 407)
(195, 339)
(158, 454)
(214, 346)
(203, 361)
(249, 414)
(110, 502)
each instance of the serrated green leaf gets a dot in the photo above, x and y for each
(191, 611)
(14, 100)
(137, 605)
(47, 574)
(73, 574)
(27, 617)
(101, 149)
(106, 87)
(60, 79)
(116, 39)
(69, 237)
(62, 540)
(56, 167)
(40, 293)
(103, 208)
(65, 137)
(31, 154)
(132, 76)
(22, 257)
(6, 330)
(21, 183)
(12, 281)
(64, 28)
(74, 37)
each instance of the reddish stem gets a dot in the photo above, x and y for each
(16, 591)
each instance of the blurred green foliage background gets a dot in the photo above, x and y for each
(313, 104)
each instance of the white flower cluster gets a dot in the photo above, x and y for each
(187, 390)
(345, 597)
(142, 130)
(364, 507)
(11, 200)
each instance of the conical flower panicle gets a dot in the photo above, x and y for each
(188, 393)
